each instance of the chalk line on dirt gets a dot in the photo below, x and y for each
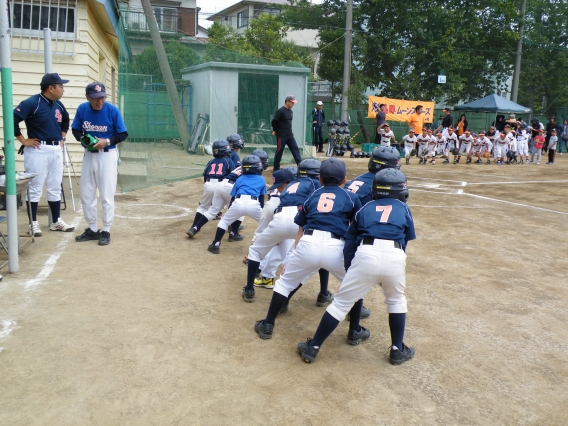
(515, 204)
(185, 212)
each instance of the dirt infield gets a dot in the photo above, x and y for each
(152, 329)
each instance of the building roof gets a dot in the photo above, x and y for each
(228, 10)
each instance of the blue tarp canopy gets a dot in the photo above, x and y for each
(493, 103)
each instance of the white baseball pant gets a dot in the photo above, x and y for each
(282, 227)
(47, 162)
(523, 148)
(380, 263)
(407, 150)
(274, 258)
(221, 198)
(208, 193)
(242, 206)
(501, 150)
(313, 252)
(99, 171)
(464, 148)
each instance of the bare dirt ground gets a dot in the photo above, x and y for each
(152, 329)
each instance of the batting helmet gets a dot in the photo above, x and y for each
(350, 147)
(337, 122)
(368, 154)
(309, 168)
(346, 131)
(221, 148)
(509, 154)
(252, 165)
(293, 169)
(331, 123)
(236, 141)
(260, 153)
(345, 123)
(332, 131)
(340, 131)
(384, 157)
(390, 183)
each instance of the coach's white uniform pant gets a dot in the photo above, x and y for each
(99, 172)
(381, 263)
(501, 150)
(313, 252)
(208, 193)
(242, 206)
(47, 162)
(282, 227)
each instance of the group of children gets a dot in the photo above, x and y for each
(316, 222)
(506, 147)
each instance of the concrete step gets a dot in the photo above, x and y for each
(132, 173)
(133, 157)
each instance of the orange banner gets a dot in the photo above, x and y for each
(399, 110)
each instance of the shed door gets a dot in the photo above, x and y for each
(258, 101)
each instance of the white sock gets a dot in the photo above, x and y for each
(394, 348)
(93, 227)
(106, 228)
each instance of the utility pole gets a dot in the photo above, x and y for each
(347, 62)
(9, 151)
(182, 124)
(517, 71)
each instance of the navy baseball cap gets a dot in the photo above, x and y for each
(96, 90)
(280, 177)
(332, 170)
(52, 78)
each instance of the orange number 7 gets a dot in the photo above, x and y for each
(386, 211)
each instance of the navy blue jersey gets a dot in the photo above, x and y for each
(385, 219)
(297, 191)
(218, 168)
(102, 124)
(235, 158)
(329, 208)
(45, 119)
(362, 186)
(249, 185)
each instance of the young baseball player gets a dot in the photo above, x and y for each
(476, 149)
(431, 148)
(453, 144)
(282, 226)
(386, 135)
(374, 254)
(441, 148)
(280, 179)
(465, 146)
(501, 147)
(323, 220)
(247, 199)
(422, 141)
(47, 123)
(214, 173)
(523, 146)
(486, 146)
(409, 143)
(236, 143)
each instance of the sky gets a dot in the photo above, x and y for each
(209, 7)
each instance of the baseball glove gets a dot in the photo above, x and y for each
(89, 142)
(413, 152)
(486, 154)
(455, 151)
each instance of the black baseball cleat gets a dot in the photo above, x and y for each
(307, 352)
(264, 330)
(235, 237)
(213, 249)
(397, 356)
(324, 300)
(104, 240)
(248, 295)
(446, 161)
(191, 232)
(88, 235)
(356, 337)
(218, 217)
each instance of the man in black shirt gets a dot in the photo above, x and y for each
(380, 121)
(448, 121)
(282, 126)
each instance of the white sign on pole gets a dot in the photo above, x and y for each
(442, 79)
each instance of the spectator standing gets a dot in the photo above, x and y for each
(552, 146)
(462, 125)
(416, 121)
(537, 149)
(564, 138)
(550, 126)
(282, 129)
(380, 122)
(318, 118)
(47, 123)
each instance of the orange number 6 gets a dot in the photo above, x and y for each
(386, 211)
(325, 204)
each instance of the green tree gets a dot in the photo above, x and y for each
(179, 55)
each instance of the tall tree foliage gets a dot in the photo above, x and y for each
(179, 56)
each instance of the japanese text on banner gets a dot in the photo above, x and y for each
(398, 109)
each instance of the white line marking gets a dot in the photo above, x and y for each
(464, 183)
(448, 192)
(515, 204)
(518, 182)
(7, 327)
(446, 207)
(185, 212)
(52, 260)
